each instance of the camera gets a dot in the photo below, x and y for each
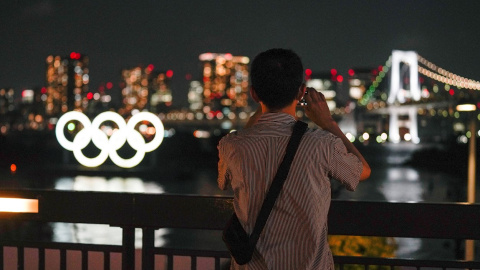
(303, 102)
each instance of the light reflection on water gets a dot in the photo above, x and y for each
(99, 233)
(114, 184)
(402, 185)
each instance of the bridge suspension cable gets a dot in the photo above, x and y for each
(430, 70)
(444, 76)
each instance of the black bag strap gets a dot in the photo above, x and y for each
(298, 130)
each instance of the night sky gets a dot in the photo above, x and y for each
(171, 35)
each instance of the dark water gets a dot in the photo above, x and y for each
(191, 169)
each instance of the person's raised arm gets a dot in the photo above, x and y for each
(318, 111)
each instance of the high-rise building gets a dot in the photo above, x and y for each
(145, 89)
(31, 110)
(6, 101)
(327, 85)
(225, 83)
(67, 84)
(195, 96)
(7, 106)
(161, 97)
(135, 89)
(360, 79)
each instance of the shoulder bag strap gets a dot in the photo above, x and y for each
(277, 184)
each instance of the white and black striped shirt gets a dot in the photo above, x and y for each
(295, 236)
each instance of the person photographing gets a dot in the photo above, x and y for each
(295, 234)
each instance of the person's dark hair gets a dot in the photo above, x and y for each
(276, 75)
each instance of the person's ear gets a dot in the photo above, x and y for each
(301, 91)
(254, 95)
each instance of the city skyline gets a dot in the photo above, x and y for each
(341, 35)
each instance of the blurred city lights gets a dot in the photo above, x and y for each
(201, 134)
(350, 137)
(71, 126)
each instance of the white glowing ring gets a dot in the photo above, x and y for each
(133, 161)
(109, 146)
(82, 139)
(69, 116)
(109, 116)
(157, 124)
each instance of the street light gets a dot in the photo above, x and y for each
(472, 160)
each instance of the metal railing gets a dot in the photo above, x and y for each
(150, 212)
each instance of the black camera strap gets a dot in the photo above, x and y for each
(277, 183)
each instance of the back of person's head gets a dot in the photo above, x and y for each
(276, 76)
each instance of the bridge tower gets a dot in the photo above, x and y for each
(397, 93)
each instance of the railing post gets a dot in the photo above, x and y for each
(148, 244)
(41, 259)
(128, 243)
(20, 258)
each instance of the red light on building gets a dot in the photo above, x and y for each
(451, 92)
(44, 90)
(13, 168)
(169, 73)
(150, 67)
(90, 95)
(75, 55)
(333, 72)
(308, 72)
(188, 76)
(109, 85)
(339, 78)
(351, 72)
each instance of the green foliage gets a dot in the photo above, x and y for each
(343, 245)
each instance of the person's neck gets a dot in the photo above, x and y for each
(290, 109)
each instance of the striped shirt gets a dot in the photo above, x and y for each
(295, 236)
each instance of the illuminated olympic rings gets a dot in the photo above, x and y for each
(126, 133)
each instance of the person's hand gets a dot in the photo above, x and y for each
(317, 109)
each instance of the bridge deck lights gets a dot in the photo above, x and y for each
(466, 107)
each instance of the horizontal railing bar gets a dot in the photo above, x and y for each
(416, 220)
(406, 262)
(59, 246)
(192, 252)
